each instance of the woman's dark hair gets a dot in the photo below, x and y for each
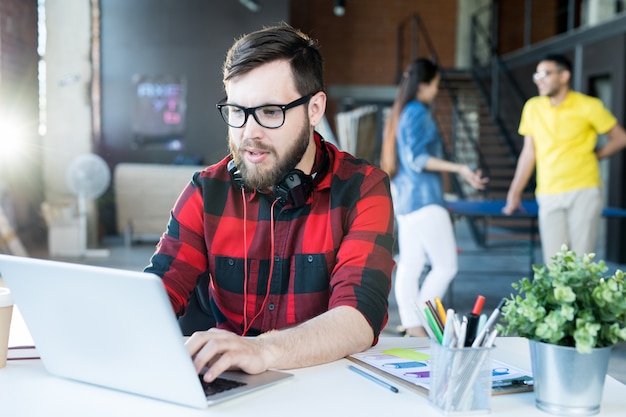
(275, 43)
(421, 70)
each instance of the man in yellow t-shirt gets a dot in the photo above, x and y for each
(560, 129)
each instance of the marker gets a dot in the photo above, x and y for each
(489, 324)
(373, 378)
(472, 320)
(481, 322)
(462, 333)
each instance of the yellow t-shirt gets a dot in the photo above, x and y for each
(565, 137)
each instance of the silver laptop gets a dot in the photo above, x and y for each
(114, 328)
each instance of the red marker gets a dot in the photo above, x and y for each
(472, 320)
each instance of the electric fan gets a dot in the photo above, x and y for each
(87, 177)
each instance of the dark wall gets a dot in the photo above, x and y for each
(183, 38)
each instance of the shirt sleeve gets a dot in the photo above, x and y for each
(417, 131)
(600, 118)
(180, 256)
(362, 275)
(524, 127)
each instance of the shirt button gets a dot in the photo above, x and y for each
(271, 307)
(276, 258)
(310, 258)
(231, 262)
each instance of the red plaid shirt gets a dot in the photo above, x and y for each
(336, 250)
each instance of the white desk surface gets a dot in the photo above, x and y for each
(26, 389)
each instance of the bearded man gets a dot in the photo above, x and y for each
(294, 235)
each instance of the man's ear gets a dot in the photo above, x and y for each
(565, 76)
(317, 107)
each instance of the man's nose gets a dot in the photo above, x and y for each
(252, 127)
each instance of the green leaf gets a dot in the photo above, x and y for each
(571, 301)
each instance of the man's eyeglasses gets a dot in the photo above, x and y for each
(271, 116)
(540, 75)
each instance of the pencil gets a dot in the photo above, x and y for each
(440, 310)
(433, 324)
(433, 310)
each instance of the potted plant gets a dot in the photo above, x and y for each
(574, 312)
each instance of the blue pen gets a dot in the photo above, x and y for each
(373, 378)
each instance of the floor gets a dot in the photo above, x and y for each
(485, 271)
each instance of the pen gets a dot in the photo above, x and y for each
(472, 320)
(489, 324)
(373, 378)
(491, 338)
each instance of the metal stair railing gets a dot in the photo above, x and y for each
(499, 88)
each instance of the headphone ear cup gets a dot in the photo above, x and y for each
(235, 175)
(294, 188)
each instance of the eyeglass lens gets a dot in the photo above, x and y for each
(539, 75)
(267, 116)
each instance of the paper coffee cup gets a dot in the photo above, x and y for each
(6, 310)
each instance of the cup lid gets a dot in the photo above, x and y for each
(5, 297)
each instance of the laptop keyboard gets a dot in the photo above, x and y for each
(219, 385)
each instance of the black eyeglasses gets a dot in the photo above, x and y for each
(271, 116)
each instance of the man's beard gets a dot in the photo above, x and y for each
(259, 177)
(552, 91)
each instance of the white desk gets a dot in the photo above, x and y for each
(26, 389)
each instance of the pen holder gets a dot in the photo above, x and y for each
(460, 379)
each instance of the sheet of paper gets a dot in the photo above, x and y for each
(412, 366)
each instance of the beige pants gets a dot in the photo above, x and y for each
(570, 218)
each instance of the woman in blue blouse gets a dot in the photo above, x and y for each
(424, 225)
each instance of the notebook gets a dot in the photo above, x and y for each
(112, 328)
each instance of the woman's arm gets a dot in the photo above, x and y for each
(474, 178)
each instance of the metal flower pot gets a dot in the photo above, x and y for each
(568, 383)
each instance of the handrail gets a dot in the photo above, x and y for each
(477, 30)
(416, 24)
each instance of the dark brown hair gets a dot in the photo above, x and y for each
(275, 43)
(421, 70)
